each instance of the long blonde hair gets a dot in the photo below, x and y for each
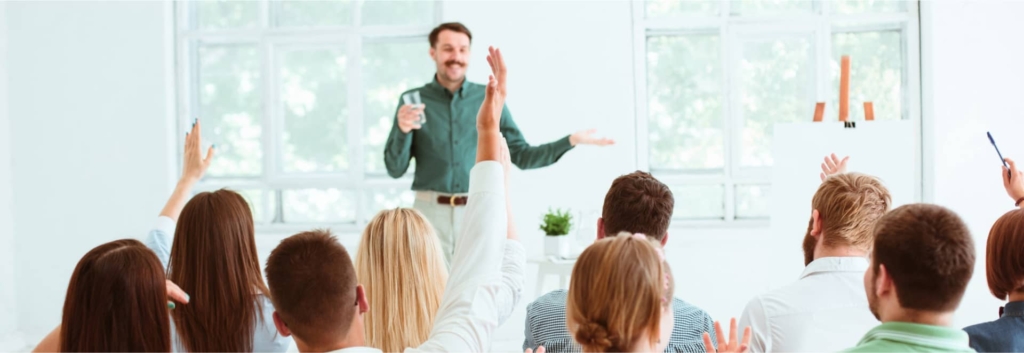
(401, 266)
(618, 290)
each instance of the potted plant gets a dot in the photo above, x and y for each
(556, 225)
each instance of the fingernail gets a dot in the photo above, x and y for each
(170, 305)
(187, 298)
(195, 121)
(213, 146)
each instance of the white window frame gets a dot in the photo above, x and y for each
(272, 42)
(822, 24)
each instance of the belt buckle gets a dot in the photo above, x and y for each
(451, 200)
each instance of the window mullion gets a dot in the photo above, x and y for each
(357, 165)
(271, 124)
(730, 55)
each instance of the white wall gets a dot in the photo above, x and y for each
(87, 110)
(8, 306)
(975, 87)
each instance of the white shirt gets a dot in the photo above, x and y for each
(826, 310)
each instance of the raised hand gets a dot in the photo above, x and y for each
(175, 294)
(833, 165)
(540, 349)
(730, 346)
(194, 165)
(409, 117)
(488, 120)
(1013, 181)
(585, 137)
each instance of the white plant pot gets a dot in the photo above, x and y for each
(558, 246)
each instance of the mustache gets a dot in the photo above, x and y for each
(454, 62)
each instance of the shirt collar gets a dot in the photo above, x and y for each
(357, 350)
(434, 83)
(835, 264)
(936, 337)
(1014, 309)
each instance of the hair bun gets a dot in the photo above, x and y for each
(594, 335)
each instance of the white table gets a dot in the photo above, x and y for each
(552, 266)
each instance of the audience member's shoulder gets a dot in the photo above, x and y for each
(682, 308)
(983, 333)
(555, 299)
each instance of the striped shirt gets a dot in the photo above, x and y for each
(909, 337)
(545, 326)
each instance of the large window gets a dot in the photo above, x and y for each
(298, 97)
(714, 76)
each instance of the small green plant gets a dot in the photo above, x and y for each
(557, 222)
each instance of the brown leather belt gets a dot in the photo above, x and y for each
(452, 200)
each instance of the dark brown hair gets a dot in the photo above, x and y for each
(928, 252)
(1004, 260)
(116, 302)
(313, 283)
(849, 205)
(448, 26)
(214, 259)
(638, 203)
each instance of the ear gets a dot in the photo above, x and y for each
(361, 301)
(664, 240)
(815, 223)
(432, 52)
(600, 228)
(883, 282)
(281, 326)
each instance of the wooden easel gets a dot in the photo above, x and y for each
(844, 97)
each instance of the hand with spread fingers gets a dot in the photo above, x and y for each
(730, 346)
(1013, 181)
(586, 137)
(832, 166)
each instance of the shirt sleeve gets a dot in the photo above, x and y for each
(513, 275)
(160, 239)
(469, 311)
(398, 149)
(755, 318)
(525, 156)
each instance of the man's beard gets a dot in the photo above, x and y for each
(809, 243)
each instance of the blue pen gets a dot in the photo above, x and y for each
(1001, 159)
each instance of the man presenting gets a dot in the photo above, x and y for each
(445, 144)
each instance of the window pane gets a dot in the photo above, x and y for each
(763, 7)
(418, 12)
(699, 202)
(229, 104)
(257, 204)
(876, 73)
(319, 205)
(776, 79)
(389, 68)
(752, 201)
(684, 106)
(385, 199)
(675, 8)
(314, 99)
(215, 14)
(315, 13)
(862, 6)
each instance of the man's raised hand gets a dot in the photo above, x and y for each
(833, 165)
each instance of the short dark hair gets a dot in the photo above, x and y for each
(449, 26)
(313, 286)
(928, 252)
(638, 203)
(1004, 265)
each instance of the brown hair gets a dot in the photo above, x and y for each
(849, 205)
(928, 252)
(637, 203)
(401, 267)
(314, 285)
(116, 302)
(616, 294)
(214, 259)
(448, 26)
(1004, 265)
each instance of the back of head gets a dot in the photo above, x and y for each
(214, 258)
(928, 252)
(1004, 263)
(617, 293)
(637, 203)
(849, 205)
(116, 302)
(401, 267)
(313, 287)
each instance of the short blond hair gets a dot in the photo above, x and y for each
(618, 290)
(401, 266)
(849, 205)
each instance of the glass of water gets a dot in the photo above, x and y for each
(413, 98)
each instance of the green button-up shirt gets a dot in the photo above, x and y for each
(445, 146)
(908, 337)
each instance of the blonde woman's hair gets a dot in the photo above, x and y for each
(618, 290)
(401, 266)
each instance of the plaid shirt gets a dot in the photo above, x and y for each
(545, 326)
